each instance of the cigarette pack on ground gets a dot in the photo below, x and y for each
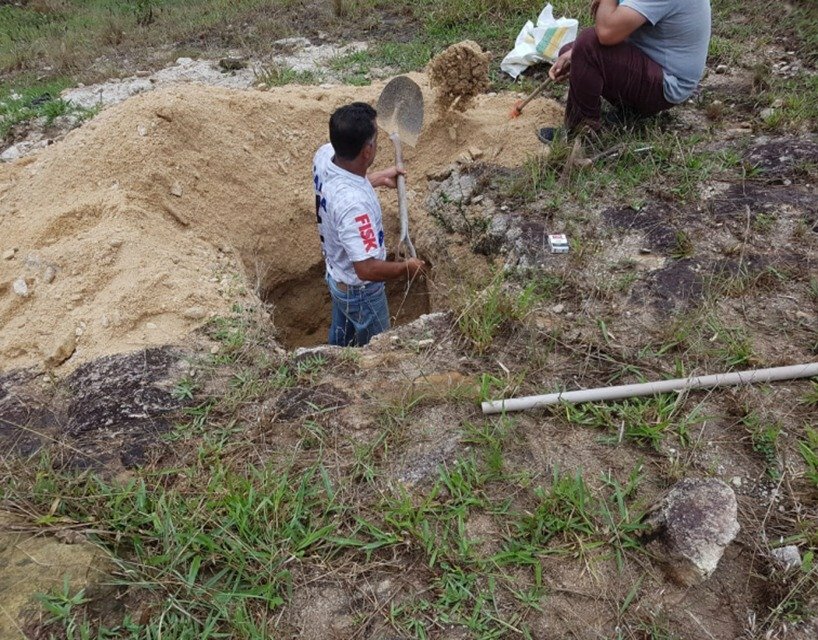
(558, 243)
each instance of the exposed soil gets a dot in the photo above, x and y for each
(460, 73)
(176, 206)
(187, 206)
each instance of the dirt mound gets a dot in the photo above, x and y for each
(460, 73)
(174, 205)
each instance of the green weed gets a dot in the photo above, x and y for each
(484, 312)
(645, 421)
(808, 449)
(764, 436)
(276, 76)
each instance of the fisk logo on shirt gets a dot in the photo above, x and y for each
(367, 232)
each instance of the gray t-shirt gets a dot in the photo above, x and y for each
(676, 36)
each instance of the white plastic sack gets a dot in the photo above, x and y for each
(540, 43)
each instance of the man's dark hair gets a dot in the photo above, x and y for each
(350, 128)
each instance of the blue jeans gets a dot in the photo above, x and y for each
(358, 314)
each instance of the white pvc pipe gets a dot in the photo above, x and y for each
(654, 388)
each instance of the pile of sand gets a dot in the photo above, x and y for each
(460, 73)
(171, 206)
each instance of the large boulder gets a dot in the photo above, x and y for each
(691, 527)
(32, 563)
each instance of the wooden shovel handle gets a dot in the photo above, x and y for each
(403, 208)
(534, 94)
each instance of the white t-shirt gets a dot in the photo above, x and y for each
(349, 218)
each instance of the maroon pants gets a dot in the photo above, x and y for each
(620, 73)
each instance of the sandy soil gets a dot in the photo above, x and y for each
(173, 205)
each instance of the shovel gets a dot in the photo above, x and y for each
(400, 114)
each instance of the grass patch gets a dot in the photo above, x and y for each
(674, 168)
(36, 101)
(645, 421)
(764, 437)
(808, 448)
(485, 311)
(276, 76)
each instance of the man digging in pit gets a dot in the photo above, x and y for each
(642, 56)
(350, 227)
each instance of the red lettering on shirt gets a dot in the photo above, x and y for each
(367, 232)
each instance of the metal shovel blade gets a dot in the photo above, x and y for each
(400, 109)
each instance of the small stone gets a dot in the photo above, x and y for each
(423, 344)
(62, 351)
(786, 558)
(69, 536)
(176, 189)
(558, 308)
(20, 287)
(777, 103)
(142, 130)
(232, 63)
(215, 349)
(194, 313)
(722, 68)
(79, 331)
(767, 113)
(736, 481)
(104, 321)
(9, 254)
(151, 326)
(12, 153)
(115, 242)
(49, 274)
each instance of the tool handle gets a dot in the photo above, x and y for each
(534, 94)
(403, 209)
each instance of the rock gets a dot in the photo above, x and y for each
(62, 351)
(232, 63)
(69, 536)
(142, 130)
(786, 558)
(151, 326)
(34, 564)
(115, 242)
(691, 526)
(20, 287)
(769, 112)
(215, 349)
(721, 68)
(9, 254)
(558, 308)
(777, 103)
(12, 153)
(176, 189)
(49, 274)
(194, 313)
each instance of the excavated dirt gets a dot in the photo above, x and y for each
(460, 73)
(175, 205)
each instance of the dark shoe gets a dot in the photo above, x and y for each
(546, 135)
